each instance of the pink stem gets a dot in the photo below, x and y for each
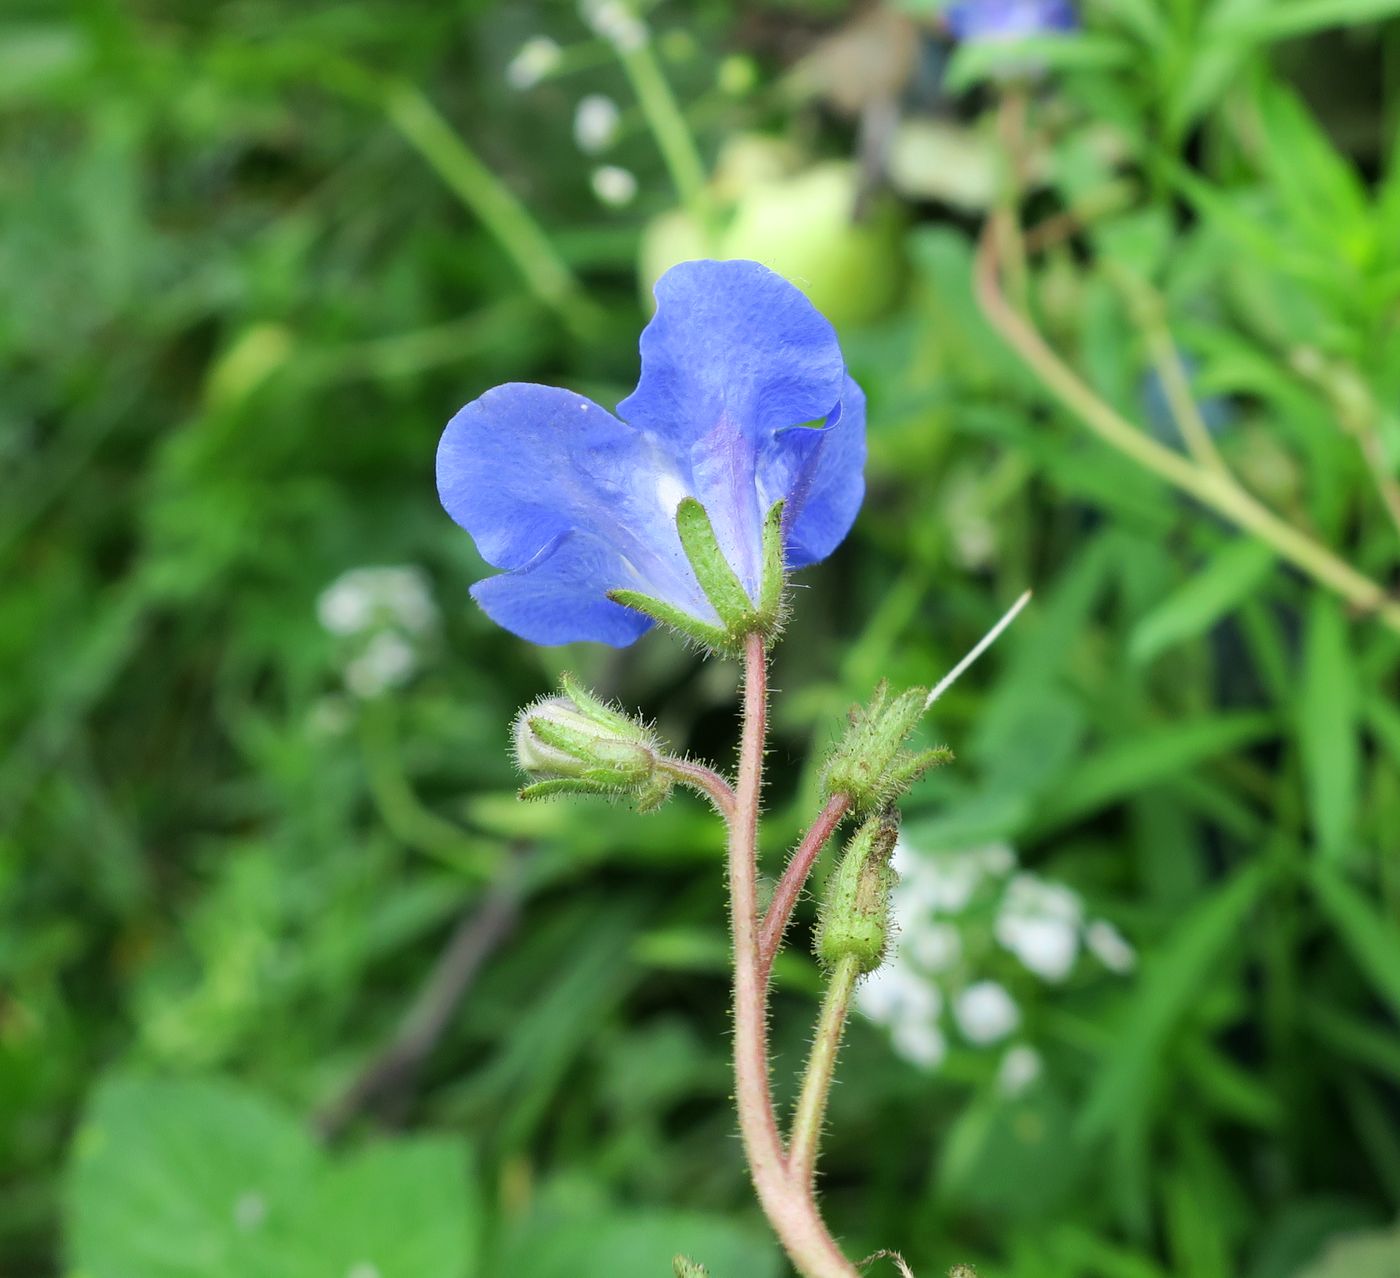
(794, 877)
(706, 780)
(788, 1203)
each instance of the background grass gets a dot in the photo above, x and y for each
(247, 276)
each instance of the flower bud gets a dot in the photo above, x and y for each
(576, 744)
(870, 765)
(855, 917)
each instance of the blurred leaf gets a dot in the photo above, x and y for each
(639, 1244)
(1285, 19)
(1232, 576)
(1171, 983)
(1328, 735)
(1374, 942)
(1373, 1255)
(976, 60)
(1123, 767)
(186, 1179)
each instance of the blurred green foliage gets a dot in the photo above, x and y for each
(250, 271)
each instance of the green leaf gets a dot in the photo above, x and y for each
(1172, 983)
(208, 1180)
(1284, 21)
(170, 1180)
(400, 1209)
(975, 61)
(1132, 763)
(1373, 941)
(639, 1244)
(1364, 1255)
(1188, 612)
(1328, 729)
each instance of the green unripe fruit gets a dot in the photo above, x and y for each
(855, 918)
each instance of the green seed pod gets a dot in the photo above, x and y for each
(870, 765)
(577, 744)
(855, 916)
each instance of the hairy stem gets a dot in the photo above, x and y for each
(786, 1202)
(789, 888)
(704, 781)
(821, 1068)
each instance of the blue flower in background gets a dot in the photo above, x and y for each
(1009, 19)
(743, 401)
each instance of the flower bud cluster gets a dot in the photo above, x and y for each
(870, 765)
(575, 743)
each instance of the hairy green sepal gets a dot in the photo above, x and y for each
(687, 1268)
(870, 765)
(855, 914)
(738, 615)
(575, 743)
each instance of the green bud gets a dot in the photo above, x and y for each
(739, 615)
(575, 743)
(687, 1268)
(870, 764)
(855, 916)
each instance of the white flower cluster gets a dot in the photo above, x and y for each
(615, 21)
(383, 613)
(537, 58)
(616, 187)
(952, 912)
(595, 122)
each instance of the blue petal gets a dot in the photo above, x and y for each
(733, 355)
(524, 466)
(732, 341)
(1009, 19)
(820, 472)
(556, 597)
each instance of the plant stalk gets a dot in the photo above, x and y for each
(821, 1069)
(788, 1203)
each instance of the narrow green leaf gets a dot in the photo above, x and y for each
(1374, 942)
(1174, 979)
(1226, 581)
(1148, 758)
(1328, 729)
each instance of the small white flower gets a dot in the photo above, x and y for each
(595, 123)
(249, 1211)
(896, 993)
(536, 58)
(997, 859)
(985, 1013)
(1020, 1067)
(363, 599)
(935, 947)
(613, 186)
(1045, 946)
(942, 884)
(1110, 946)
(329, 717)
(615, 22)
(920, 1043)
(387, 662)
(1039, 922)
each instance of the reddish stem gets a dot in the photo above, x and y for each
(790, 886)
(786, 1202)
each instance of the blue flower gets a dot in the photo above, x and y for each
(743, 401)
(976, 20)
